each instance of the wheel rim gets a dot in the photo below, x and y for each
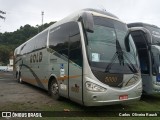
(20, 79)
(54, 89)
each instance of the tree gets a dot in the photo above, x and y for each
(2, 13)
(4, 54)
(10, 40)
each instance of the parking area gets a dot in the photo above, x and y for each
(25, 97)
(16, 96)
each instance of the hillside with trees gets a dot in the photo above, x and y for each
(10, 40)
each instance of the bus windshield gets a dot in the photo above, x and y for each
(106, 48)
(155, 32)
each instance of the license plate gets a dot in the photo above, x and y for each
(123, 97)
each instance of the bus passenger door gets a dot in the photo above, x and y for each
(155, 63)
(75, 64)
(140, 41)
(58, 42)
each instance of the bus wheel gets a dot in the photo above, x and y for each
(20, 78)
(54, 90)
(16, 75)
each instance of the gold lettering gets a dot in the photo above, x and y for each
(31, 59)
(40, 57)
(111, 79)
(37, 57)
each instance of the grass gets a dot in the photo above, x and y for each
(147, 103)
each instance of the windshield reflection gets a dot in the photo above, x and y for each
(106, 49)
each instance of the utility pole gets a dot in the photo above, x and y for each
(1, 15)
(42, 18)
(38, 28)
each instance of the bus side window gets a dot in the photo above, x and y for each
(41, 40)
(75, 51)
(58, 39)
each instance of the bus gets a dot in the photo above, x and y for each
(147, 41)
(88, 57)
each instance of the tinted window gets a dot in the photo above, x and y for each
(28, 47)
(67, 36)
(105, 42)
(75, 51)
(155, 32)
(141, 45)
(139, 39)
(41, 40)
(58, 38)
(37, 42)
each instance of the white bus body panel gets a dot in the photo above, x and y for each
(70, 76)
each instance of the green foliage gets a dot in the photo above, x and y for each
(4, 54)
(10, 40)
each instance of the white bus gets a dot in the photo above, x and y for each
(88, 57)
(147, 41)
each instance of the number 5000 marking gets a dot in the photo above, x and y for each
(111, 79)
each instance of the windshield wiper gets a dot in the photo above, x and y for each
(119, 54)
(130, 65)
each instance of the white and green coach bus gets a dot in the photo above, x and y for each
(88, 57)
(147, 41)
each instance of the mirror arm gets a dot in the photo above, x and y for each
(87, 20)
(127, 41)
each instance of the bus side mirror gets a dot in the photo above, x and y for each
(88, 23)
(126, 41)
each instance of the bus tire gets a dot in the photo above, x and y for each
(17, 75)
(54, 90)
(20, 78)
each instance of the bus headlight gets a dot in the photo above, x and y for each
(93, 87)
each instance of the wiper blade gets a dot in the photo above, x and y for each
(130, 65)
(110, 64)
(119, 54)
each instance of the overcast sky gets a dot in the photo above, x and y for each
(21, 12)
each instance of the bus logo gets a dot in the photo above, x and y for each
(36, 57)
